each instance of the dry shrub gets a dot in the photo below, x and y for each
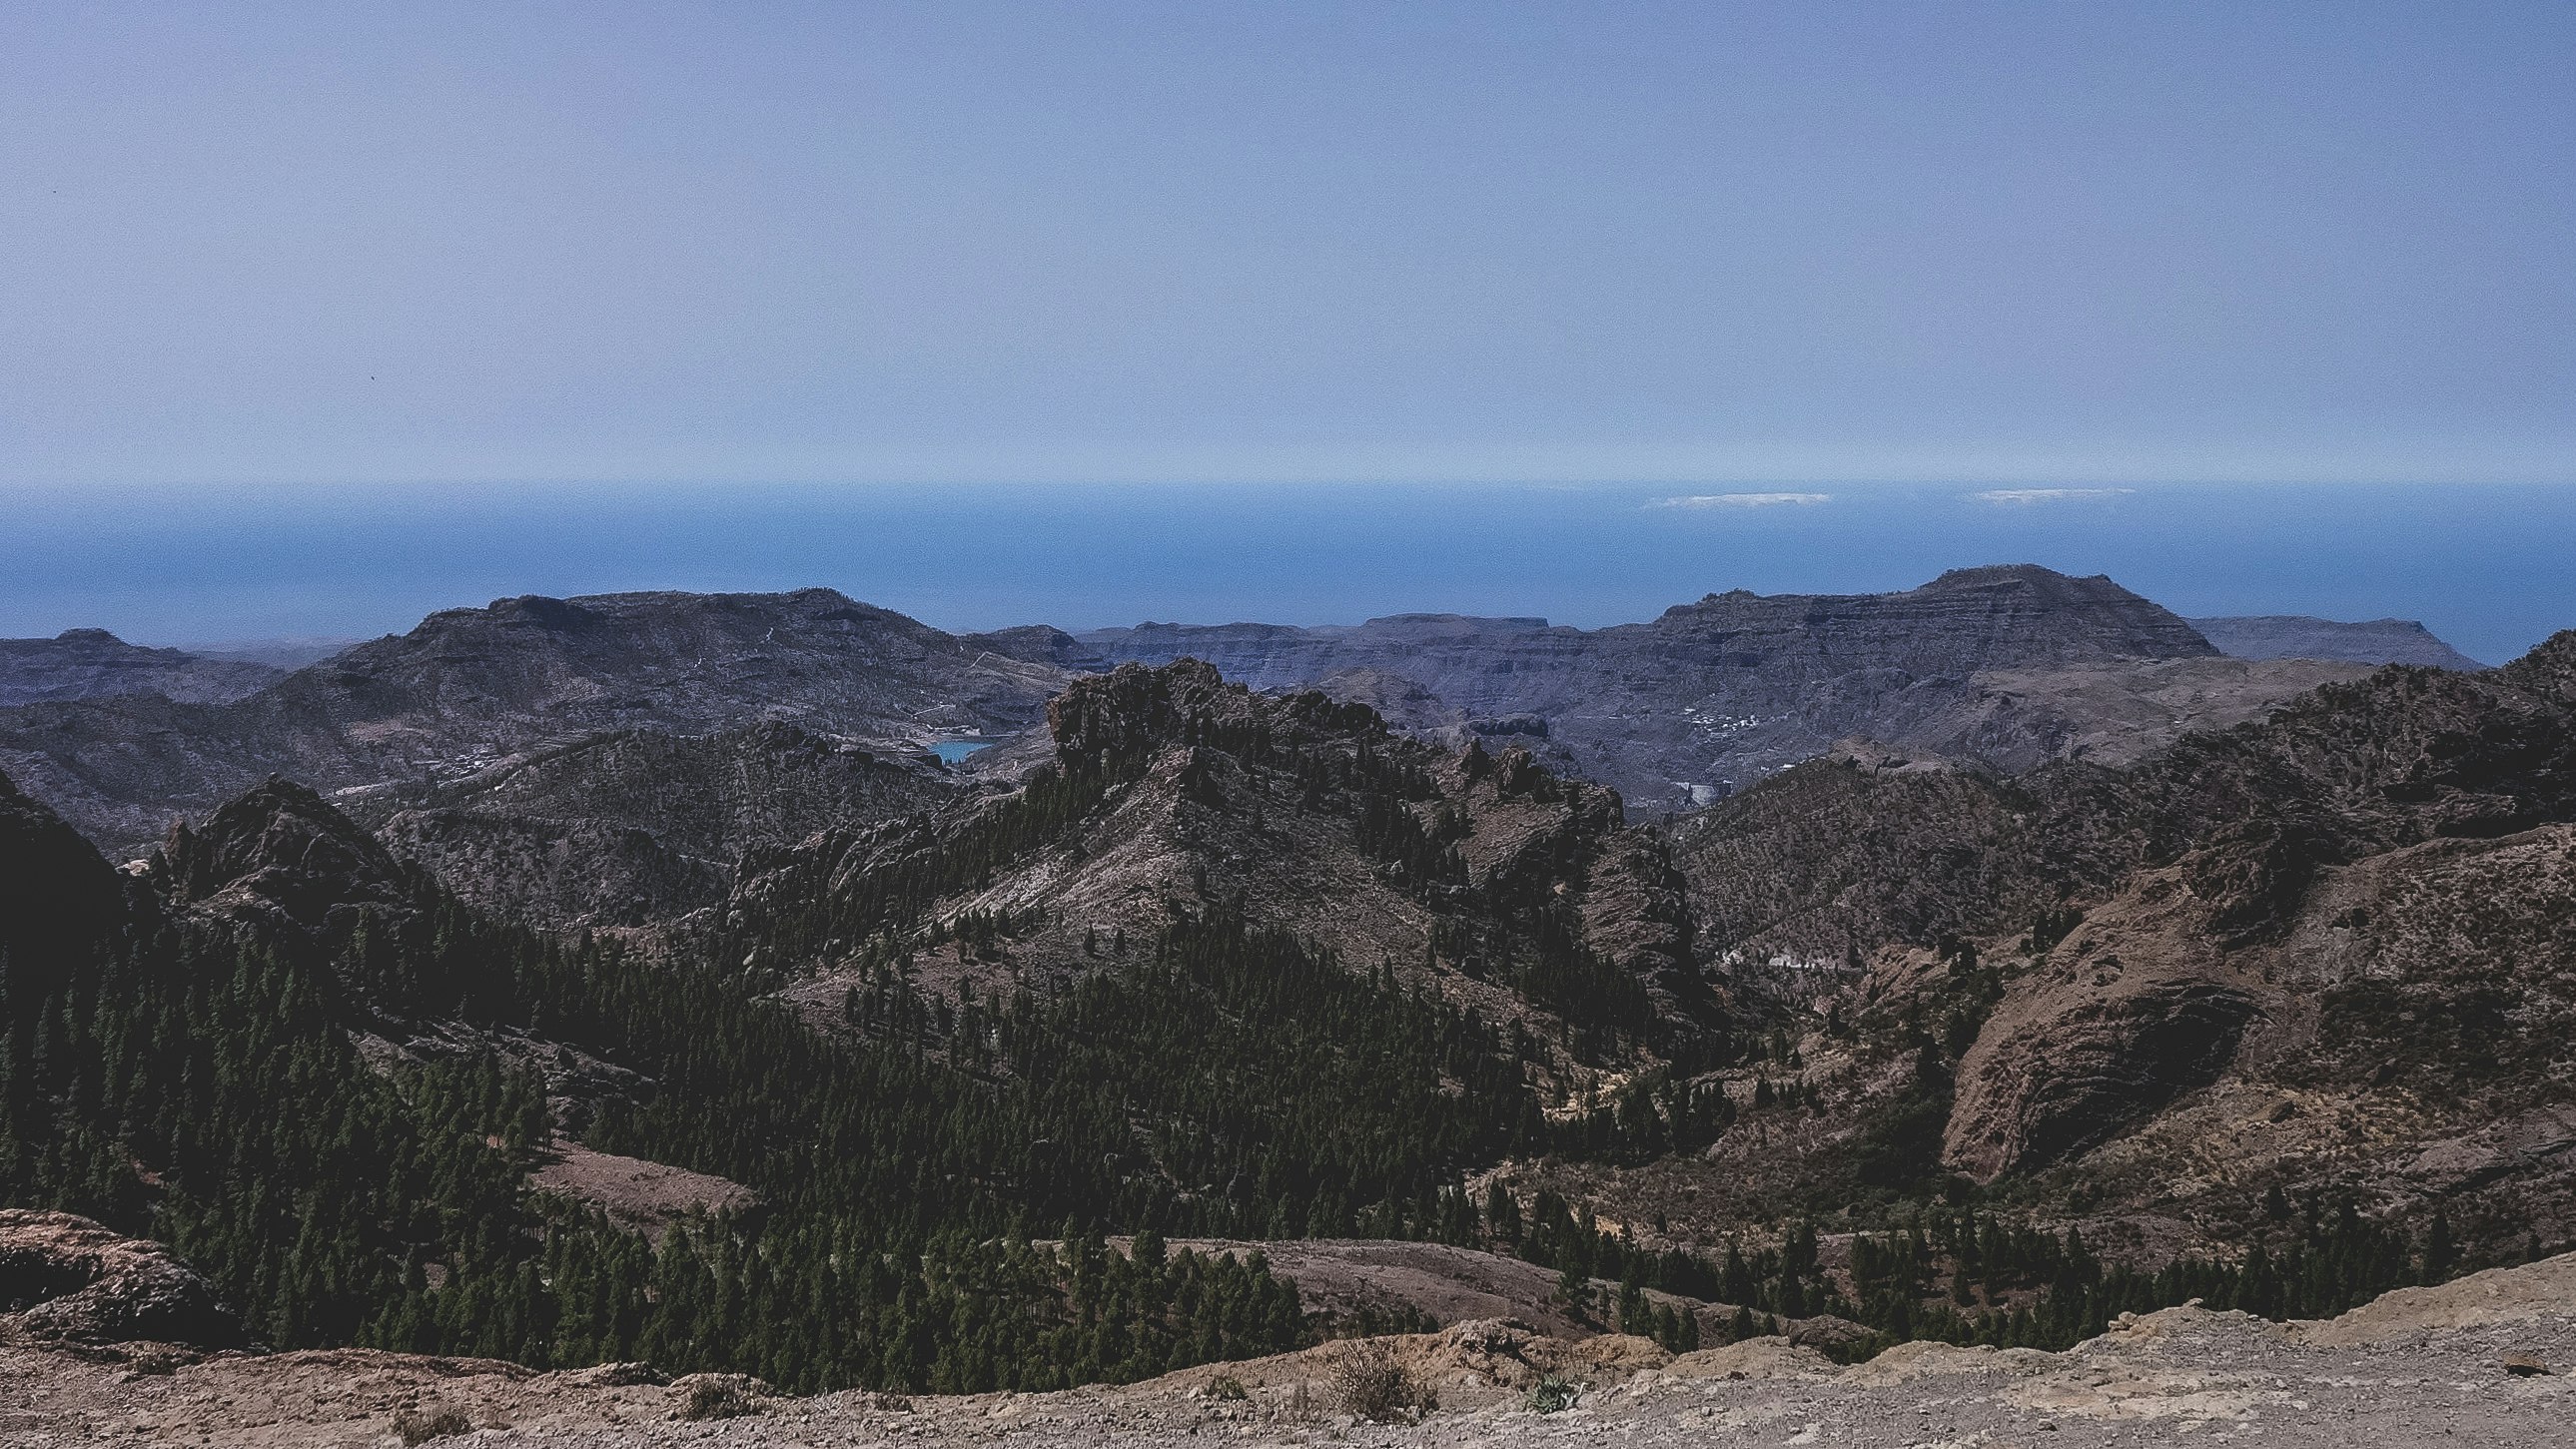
(1369, 1384)
(714, 1397)
(1227, 1389)
(1552, 1395)
(419, 1426)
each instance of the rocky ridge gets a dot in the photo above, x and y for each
(412, 721)
(1173, 789)
(2335, 941)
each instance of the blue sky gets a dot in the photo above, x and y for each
(1778, 245)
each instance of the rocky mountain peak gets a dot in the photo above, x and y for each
(1114, 720)
(280, 852)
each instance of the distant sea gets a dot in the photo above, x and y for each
(2491, 569)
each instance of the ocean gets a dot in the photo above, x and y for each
(2491, 569)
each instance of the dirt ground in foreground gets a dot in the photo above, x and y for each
(2483, 1361)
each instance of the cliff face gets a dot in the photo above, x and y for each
(1713, 695)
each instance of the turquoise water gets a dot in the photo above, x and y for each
(951, 751)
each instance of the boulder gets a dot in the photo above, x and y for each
(67, 1279)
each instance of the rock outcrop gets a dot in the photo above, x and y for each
(2136, 1007)
(66, 1279)
(281, 860)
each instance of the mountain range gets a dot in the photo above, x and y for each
(2010, 906)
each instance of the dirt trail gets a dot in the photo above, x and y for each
(2485, 1360)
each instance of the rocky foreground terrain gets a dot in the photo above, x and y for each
(2484, 1359)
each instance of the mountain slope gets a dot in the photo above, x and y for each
(631, 826)
(2327, 952)
(1174, 792)
(2297, 636)
(470, 688)
(82, 664)
(1713, 695)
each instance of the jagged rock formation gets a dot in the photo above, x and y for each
(280, 862)
(1172, 789)
(469, 688)
(66, 1279)
(82, 664)
(2009, 665)
(2296, 636)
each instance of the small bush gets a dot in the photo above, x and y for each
(718, 1398)
(1227, 1389)
(1552, 1395)
(1369, 1384)
(419, 1426)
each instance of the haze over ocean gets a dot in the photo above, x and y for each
(2488, 567)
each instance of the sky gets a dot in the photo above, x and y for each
(350, 243)
(314, 317)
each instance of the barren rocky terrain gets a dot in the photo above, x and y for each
(2483, 1360)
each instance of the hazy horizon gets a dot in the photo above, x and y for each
(1088, 313)
(2487, 568)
